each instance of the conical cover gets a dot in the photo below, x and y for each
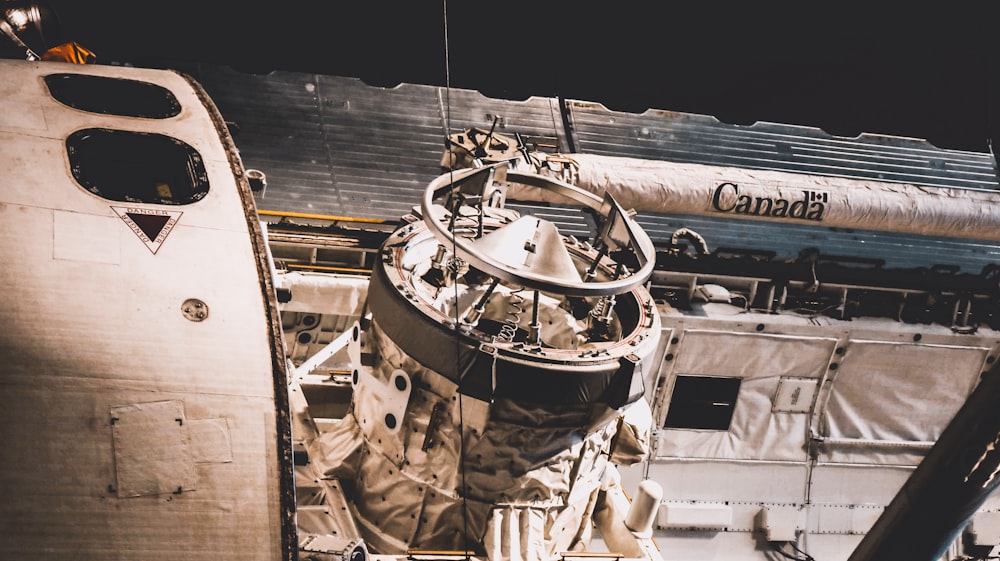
(529, 245)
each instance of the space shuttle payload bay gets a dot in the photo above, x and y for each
(777, 402)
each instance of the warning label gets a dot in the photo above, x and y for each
(152, 226)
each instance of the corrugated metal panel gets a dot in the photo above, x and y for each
(680, 137)
(335, 145)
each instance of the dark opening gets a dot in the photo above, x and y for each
(113, 96)
(702, 402)
(137, 167)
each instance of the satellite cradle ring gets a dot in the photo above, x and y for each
(437, 218)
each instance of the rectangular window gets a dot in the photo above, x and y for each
(702, 402)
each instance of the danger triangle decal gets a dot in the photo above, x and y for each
(151, 225)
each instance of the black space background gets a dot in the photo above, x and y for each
(907, 69)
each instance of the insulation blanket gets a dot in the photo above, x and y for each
(757, 430)
(881, 405)
(324, 293)
(682, 188)
(458, 466)
(890, 392)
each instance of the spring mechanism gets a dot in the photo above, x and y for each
(599, 321)
(513, 318)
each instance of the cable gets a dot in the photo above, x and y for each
(778, 548)
(457, 336)
(796, 548)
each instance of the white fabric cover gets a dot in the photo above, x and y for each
(457, 464)
(896, 393)
(324, 293)
(682, 188)
(756, 432)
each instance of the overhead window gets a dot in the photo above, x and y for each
(137, 167)
(702, 402)
(113, 96)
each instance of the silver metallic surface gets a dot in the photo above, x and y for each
(325, 143)
(194, 310)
